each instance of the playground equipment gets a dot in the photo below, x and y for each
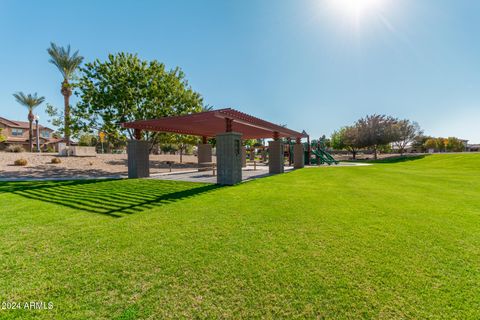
(321, 155)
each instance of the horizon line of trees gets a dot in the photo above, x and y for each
(440, 144)
(376, 132)
(384, 133)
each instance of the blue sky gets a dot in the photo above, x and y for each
(310, 64)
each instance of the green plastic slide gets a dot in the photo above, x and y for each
(324, 157)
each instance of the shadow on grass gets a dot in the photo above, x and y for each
(395, 159)
(109, 197)
(398, 159)
(156, 164)
(46, 171)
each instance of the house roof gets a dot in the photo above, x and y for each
(19, 124)
(11, 139)
(26, 140)
(211, 123)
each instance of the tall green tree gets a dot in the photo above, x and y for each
(182, 142)
(455, 145)
(347, 138)
(439, 144)
(419, 143)
(376, 130)
(406, 132)
(124, 88)
(431, 144)
(67, 63)
(30, 101)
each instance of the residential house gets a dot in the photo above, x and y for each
(16, 133)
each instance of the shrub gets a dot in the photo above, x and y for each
(15, 148)
(87, 140)
(56, 160)
(50, 149)
(20, 162)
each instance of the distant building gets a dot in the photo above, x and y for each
(411, 148)
(16, 133)
(408, 148)
(473, 147)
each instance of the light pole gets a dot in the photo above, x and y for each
(38, 132)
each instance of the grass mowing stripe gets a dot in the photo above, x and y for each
(389, 241)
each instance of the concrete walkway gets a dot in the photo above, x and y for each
(341, 164)
(248, 173)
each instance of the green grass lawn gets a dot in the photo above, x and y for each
(389, 241)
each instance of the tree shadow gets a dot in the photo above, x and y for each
(157, 164)
(113, 198)
(398, 159)
(50, 171)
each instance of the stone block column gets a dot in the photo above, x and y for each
(204, 157)
(244, 157)
(138, 159)
(298, 156)
(229, 158)
(275, 157)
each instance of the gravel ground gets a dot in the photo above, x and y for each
(102, 165)
(39, 166)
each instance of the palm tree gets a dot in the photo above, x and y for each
(207, 108)
(31, 102)
(67, 63)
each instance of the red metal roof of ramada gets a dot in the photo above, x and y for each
(211, 123)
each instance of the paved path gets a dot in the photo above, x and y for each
(248, 173)
(341, 164)
(191, 175)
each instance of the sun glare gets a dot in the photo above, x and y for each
(357, 9)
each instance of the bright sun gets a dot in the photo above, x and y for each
(356, 9)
